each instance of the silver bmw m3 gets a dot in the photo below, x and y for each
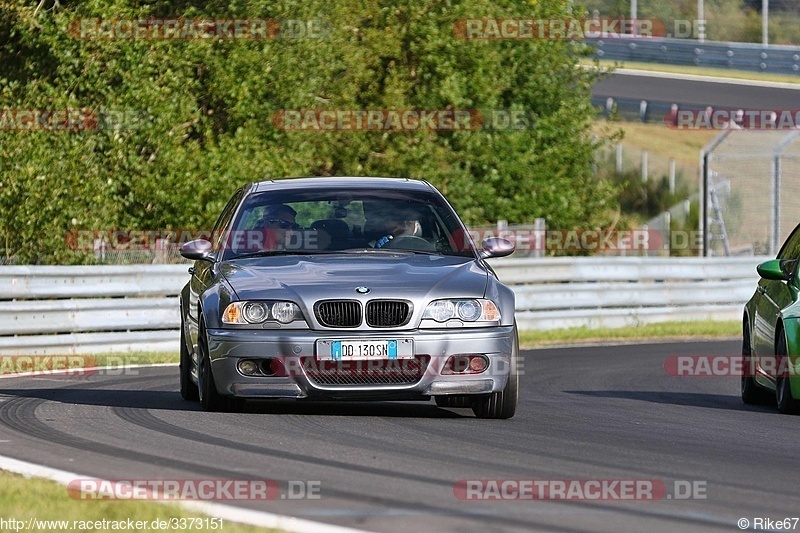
(346, 289)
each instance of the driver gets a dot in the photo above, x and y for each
(279, 220)
(399, 224)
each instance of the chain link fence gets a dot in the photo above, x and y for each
(750, 190)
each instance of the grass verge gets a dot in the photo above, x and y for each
(682, 145)
(648, 332)
(114, 361)
(42, 501)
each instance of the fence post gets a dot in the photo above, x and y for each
(539, 237)
(775, 227)
(777, 171)
(672, 176)
(705, 153)
(619, 158)
(644, 166)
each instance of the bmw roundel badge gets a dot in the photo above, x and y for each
(362, 290)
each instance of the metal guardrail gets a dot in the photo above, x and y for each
(775, 59)
(48, 310)
(627, 291)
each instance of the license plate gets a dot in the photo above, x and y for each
(338, 350)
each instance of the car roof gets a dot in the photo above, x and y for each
(343, 182)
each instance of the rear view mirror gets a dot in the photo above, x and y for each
(198, 250)
(497, 247)
(777, 269)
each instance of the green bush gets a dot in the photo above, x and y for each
(204, 110)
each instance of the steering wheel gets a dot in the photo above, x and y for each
(411, 242)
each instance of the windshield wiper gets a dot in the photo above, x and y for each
(388, 250)
(267, 253)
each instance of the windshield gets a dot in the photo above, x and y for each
(340, 220)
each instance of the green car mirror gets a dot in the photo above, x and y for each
(776, 269)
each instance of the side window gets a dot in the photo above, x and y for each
(225, 219)
(791, 248)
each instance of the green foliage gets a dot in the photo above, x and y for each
(203, 111)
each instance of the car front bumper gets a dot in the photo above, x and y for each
(297, 349)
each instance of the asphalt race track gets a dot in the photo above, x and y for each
(656, 87)
(586, 413)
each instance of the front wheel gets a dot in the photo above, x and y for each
(502, 404)
(783, 389)
(752, 394)
(189, 390)
(210, 398)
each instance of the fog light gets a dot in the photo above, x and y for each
(272, 367)
(477, 364)
(465, 364)
(247, 367)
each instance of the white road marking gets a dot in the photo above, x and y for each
(76, 371)
(218, 510)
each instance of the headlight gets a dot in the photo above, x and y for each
(468, 310)
(473, 310)
(255, 312)
(440, 311)
(285, 312)
(260, 312)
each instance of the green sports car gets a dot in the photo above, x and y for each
(771, 333)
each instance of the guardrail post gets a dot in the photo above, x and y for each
(701, 22)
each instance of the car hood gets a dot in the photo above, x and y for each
(309, 278)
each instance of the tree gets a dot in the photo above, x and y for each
(197, 116)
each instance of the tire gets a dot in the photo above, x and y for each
(189, 390)
(752, 393)
(501, 404)
(456, 401)
(787, 404)
(210, 399)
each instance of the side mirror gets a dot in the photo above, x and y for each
(497, 247)
(777, 269)
(198, 250)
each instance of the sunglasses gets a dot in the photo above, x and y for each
(283, 224)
